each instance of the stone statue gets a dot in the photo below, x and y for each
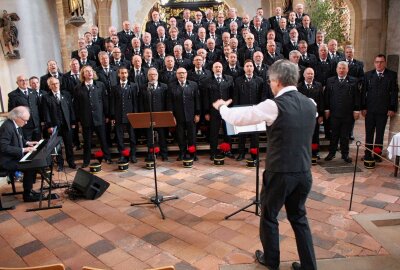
(10, 32)
(76, 7)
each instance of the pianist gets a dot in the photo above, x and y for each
(13, 147)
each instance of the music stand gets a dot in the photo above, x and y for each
(153, 120)
(251, 129)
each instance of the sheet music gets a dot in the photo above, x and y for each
(234, 130)
(25, 158)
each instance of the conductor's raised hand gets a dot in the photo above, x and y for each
(217, 104)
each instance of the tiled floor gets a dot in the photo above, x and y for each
(109, 233)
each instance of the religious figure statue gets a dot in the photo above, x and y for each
(10, 31)
(76, 7)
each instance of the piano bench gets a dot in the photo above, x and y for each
(4, 173)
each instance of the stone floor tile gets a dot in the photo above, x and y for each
(156, 238)
(239, 258)
(131, 264)
(209, 262)
(9, 258)
(219, 249)
(100, 247)
(28, 248)
(114, 257)
(82, 235)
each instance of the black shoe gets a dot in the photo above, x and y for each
(212, 157)
(229, 154)
(179, 158)
(240, 156)
(84, 165)
(164, 158)
(329, 157)
(109, 161)
(296, 266)
(72, 165)
(351, 138)
(122, 159)
(195, 158)
(60, 168)
(260, 259)
(133, 159)
(347, 159)
(31, 197)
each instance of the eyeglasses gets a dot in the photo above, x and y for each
(23, 80)
(25, 121)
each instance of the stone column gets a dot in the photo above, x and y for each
(103, 16)
(393, 48)
(63, 36)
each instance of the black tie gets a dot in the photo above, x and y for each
(219, 80)
(198, 72)
(26, 93)
(123, 85)
(380, 75)
(341, 80)
(76, 77)
(233, 69)
(106, 71)
(19, 130)
(308, 86)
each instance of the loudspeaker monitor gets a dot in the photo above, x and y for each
(88, 185)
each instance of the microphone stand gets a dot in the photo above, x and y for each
(157, 199)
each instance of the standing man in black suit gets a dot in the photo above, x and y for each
(23, 96)
(107, 74)
(380, 90)
(154, 23)
(259, 32)
(153, 96)
(184, 101)
(306, 59)
(124, 97)
(287, 179)
(91, 110)
(356, 69)
(233, 17)
(218, 87)
(233, 69)
(13, 147)
(306, 31)
(313, 89)
(248, 91)
(125, 35)
(292, 44)
(138, 74)
(274, 20)
(271, 55)
(35, 86)
(248, 49)
(96, 39)
(70, 81)
(334, 55)
(52, 71)
(168, 74)
(342, 104)
(58, 112)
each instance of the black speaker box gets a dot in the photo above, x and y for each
(89, 185)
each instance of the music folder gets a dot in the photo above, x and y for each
(235, 130)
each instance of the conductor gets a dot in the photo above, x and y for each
(287, 179)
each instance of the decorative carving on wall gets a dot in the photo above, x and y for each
(76, 9)
(10, 35)
(174, 8)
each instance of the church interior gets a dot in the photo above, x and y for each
(191, 205)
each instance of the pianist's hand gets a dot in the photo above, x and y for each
(32, 143)
(28, 149)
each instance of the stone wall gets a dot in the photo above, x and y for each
(39, 41)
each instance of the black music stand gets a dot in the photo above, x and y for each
(153, 120)
(48, 154)
(256, 200)
(253, 129)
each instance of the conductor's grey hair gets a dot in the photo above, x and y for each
(285, 72)
(17, 112)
